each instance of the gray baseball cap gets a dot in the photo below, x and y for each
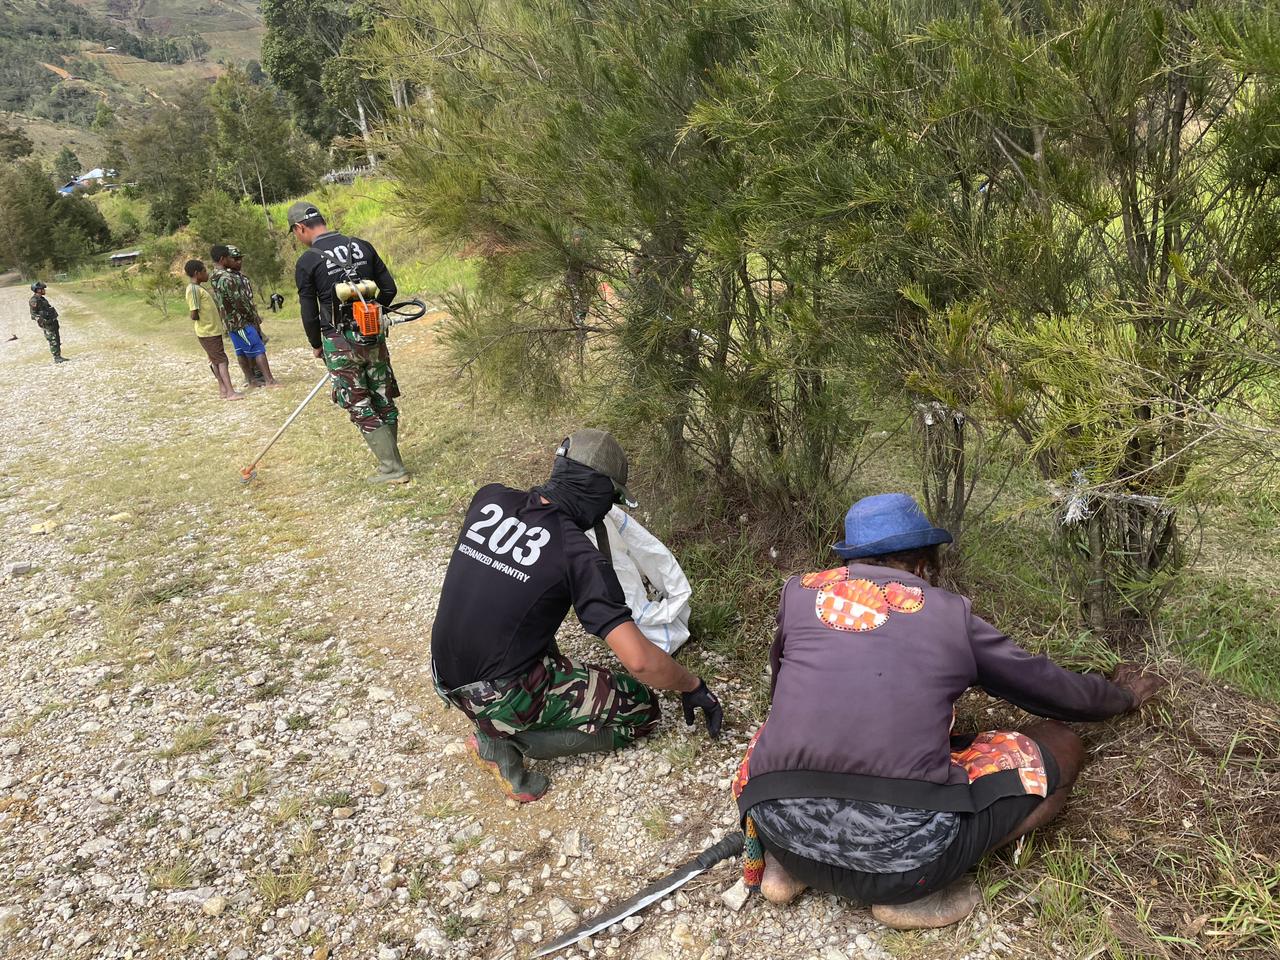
(301, 212)
(598, 450)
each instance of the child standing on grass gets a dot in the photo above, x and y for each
(209, 328)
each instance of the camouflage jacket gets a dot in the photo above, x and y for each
(42, 311)
(233, 292)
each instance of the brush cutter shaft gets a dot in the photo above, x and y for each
(293, 416)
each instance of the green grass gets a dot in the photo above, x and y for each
(276, 889)
(191, 739)
(335, 799)
(177, 875)
(246, 787)
(1231, 631)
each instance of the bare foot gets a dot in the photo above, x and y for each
(233, 396)
(777, 885)
(273, 384)
(941, 909)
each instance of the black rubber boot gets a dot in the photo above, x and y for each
(502, 759)
(548, 744)
(383, 444)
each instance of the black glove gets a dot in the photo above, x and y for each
(704, 698)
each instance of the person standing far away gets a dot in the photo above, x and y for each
(209, 327)
(234, 295)
(858, 783)
(327, 274)
(46, 319)
(522, 558)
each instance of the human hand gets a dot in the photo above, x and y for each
(317, 352)
(1140, 683)
(702, 698)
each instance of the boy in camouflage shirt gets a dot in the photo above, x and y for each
(234, 295)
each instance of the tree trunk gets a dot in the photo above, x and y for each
(364, 134)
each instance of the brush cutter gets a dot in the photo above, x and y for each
(404, 312)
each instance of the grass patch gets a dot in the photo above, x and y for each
(190, 739)
(306, 846)
(178, 875)
(289, 808)
(455, 926)
(1244, 898)
(269, 691)
(1231, 631)
(248, 786)
(656, 824)
(275, 889)
(335, 799)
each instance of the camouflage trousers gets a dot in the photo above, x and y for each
(52, 334)
(363, 382)
(560, 693)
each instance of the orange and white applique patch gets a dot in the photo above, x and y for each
(853, 605)
(816, 581)
(902, 598)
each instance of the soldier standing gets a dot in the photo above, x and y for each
(327, 275)
(234, 295)
(46, 318)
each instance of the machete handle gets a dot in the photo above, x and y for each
(730, 846)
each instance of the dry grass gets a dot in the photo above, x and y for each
(192, 739)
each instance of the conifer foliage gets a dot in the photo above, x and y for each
(1054, 218)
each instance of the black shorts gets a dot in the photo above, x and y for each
(978, 834)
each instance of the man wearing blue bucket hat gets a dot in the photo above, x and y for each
(855, 784)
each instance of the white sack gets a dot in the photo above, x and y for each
(661, 611)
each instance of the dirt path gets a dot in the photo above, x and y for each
(219, 741)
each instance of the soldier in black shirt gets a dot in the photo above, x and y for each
(522, 559)
(363, 382)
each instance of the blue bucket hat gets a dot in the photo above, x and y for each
(887, 523)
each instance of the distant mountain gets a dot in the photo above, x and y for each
(69, 67)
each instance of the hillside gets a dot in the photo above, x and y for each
(67, 67)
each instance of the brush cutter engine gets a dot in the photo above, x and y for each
(358, 313)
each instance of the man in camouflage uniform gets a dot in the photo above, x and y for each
(521, 560)
(233, 293)
(360, 367)
(46, 318)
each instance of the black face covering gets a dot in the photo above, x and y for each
(585, 494)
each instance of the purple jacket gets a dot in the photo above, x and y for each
(866, 672)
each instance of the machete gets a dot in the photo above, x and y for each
(730, 846)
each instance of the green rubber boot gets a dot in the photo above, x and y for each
(548, 744)
(383, 444)
(502, 759)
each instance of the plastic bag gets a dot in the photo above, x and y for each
(660, 608)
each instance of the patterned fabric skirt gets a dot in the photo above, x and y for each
(988, 752)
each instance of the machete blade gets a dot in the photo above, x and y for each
(730, 846)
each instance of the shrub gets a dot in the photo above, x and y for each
(218, 218)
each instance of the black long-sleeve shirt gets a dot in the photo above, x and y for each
(332, 259)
